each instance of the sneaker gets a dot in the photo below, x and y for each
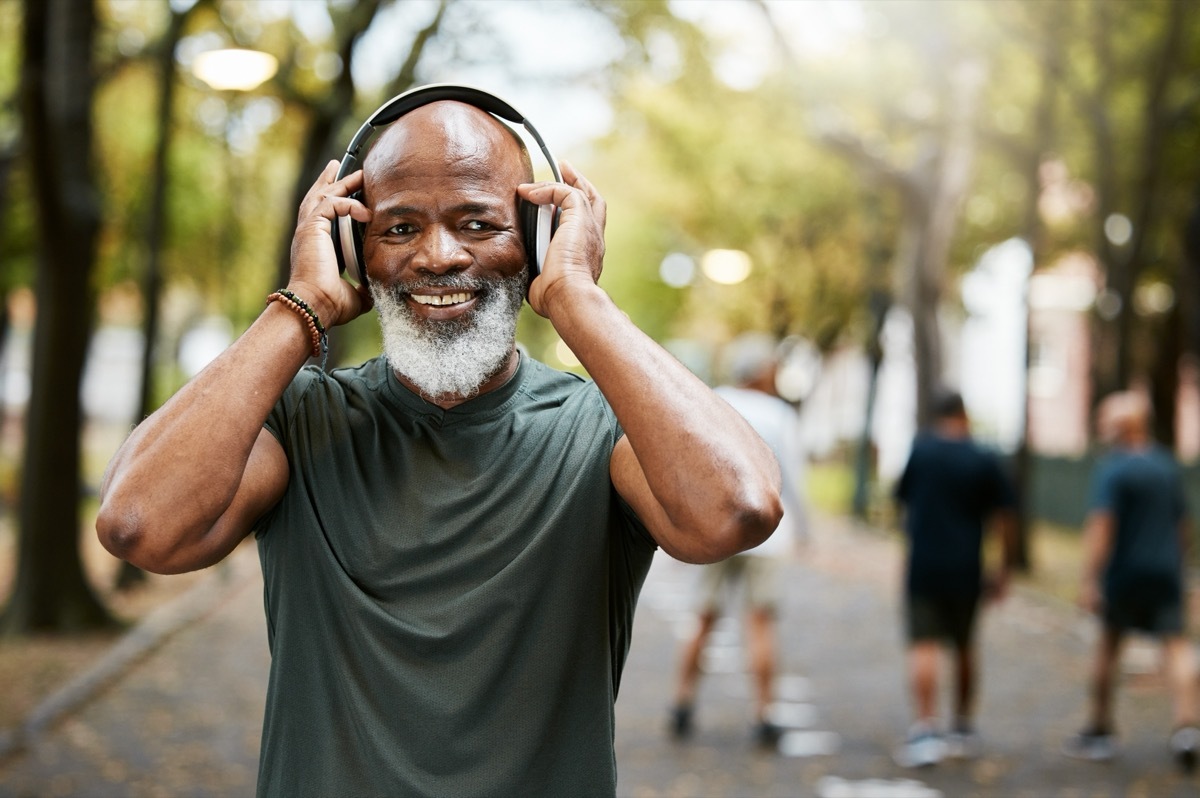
(963, 744)
(767, 734)
(1094, 746)
(1185, 747)
(680, 723)
(923, 748)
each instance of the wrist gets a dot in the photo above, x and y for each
(309, 318)
(317, 300)
(567, 297)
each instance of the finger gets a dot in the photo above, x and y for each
(569, 174)
(599, 206)
(560, 194)
(330, 207)
(324, 190)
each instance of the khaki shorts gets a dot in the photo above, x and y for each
(758, 577)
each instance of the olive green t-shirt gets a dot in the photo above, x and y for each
(449, 593)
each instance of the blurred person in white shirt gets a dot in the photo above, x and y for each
(752, 361)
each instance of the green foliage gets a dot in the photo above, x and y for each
(694, 165)
(691, 164)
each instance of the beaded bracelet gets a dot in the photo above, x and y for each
(316, 330)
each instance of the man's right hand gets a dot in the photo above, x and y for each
(315, 275)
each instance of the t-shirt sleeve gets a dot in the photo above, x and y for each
(280, 420)
(1179, 499)
(630, 523)
(1100, 493)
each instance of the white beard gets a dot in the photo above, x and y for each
(451, 358)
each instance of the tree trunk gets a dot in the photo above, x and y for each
(1164, 371)
(51, 592)
(1033, 233)
(879, 301)
(322, 143)
(942, 174)
(129, 575)
(1190, 295)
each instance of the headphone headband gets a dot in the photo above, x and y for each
(538, 222)
(412, 99)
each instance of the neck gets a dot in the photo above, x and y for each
(953, 428)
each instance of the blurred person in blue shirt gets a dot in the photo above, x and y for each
(1135, 542)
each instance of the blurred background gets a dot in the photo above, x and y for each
(999, 196)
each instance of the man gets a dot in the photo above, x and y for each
(753, 364)
(452, 536)
(952, 491)
(1135, 539)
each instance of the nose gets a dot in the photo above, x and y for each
(441, 251)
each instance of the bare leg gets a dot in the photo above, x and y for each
(1108, 651)
(761, 642)
(689, 666)
(1181, 679)
(923, 670)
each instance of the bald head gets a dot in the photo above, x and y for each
(1124, 418)
(449, 135)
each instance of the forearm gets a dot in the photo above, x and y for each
(715, 480)
(1007, 525)
(1097, 540)
(180, 468)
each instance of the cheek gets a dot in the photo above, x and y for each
(382, 262)
(504, 254)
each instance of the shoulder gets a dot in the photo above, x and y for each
(543, 385)
(313, 390)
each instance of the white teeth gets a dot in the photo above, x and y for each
(444, 299)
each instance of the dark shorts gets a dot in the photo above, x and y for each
(1158, 612)
(941, 618)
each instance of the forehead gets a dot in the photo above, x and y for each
(445, 140)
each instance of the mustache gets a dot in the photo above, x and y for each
(455, 282)
(458, 282)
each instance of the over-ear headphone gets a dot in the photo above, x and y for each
(537, 221)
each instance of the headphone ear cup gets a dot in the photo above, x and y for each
(538, 223)
(358, 229)
(529, 234)
(347, 235)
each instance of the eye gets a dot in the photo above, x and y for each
(478, 226)
(402, 229)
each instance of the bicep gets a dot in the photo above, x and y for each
(263, 482)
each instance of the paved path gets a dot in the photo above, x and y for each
(184, 721)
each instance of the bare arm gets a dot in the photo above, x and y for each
(192, 478)
(704, 483)
(1097, 546)
(1004, 522)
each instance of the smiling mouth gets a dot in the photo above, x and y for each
(443, 299)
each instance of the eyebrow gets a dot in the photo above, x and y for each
(464, 207)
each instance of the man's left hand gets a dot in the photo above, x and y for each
(576, 250)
